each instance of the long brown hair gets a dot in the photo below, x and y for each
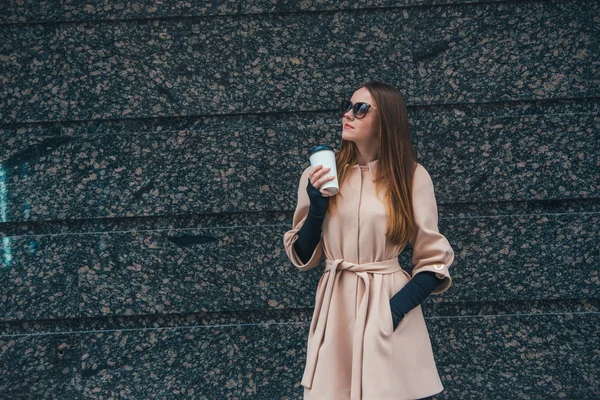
(396, 160)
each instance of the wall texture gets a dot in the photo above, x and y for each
(149, 161)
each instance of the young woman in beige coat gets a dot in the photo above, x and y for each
(368, 339)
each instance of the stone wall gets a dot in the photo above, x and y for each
(149, 161)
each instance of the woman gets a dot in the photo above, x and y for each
(368, 339)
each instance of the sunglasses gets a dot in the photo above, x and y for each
(359, 109)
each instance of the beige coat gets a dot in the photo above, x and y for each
(352, 351)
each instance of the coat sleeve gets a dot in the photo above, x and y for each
(431, 250)
(290, 237)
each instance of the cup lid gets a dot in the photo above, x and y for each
(319, 148)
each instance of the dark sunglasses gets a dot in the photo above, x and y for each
(359, 109)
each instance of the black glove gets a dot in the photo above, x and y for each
(412, 294)
(310, 232)
(318, 202)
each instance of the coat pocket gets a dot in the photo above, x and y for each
(397, 283)
(387, 319)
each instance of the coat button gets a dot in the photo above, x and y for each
(439, 267)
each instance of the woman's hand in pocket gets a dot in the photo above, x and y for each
(397, 316)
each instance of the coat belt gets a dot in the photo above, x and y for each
(316, 338)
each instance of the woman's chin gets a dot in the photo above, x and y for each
(346, 135)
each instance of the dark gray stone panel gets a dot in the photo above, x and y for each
(291, 6)
(167, 172)
(583, 354)
(299, 61)
(226, 269)
(39, 277)
(141, 174)
(193, 271)
(517, 356)
(40, 366)
(228, 168)
(108, 70)
(33, 72)
(217, 362)
(149, 272)
(502, 52)
(495, 357)
(310, 61)
(30, 11)
(538, 157)
(153, 68)
(76, 10)
(523, 258)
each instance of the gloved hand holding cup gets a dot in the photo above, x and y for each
(322, 182)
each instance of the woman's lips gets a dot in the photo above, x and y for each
(348, 126)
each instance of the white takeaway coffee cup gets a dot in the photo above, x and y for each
(325, 156)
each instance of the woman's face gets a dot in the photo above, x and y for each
(360, 130)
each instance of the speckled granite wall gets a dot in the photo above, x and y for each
(149, 158)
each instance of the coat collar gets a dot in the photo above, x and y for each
(372, 168)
